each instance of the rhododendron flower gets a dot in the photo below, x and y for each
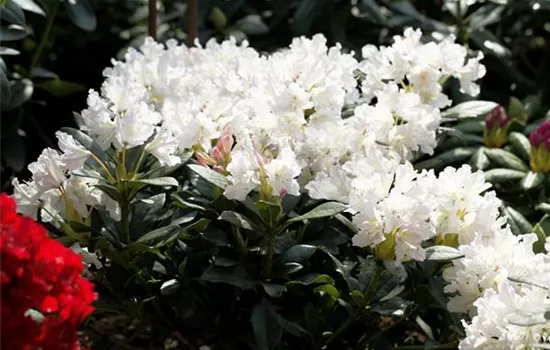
(44, 298)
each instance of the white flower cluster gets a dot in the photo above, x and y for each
(284, 112)
(505, 288)
(276, 125)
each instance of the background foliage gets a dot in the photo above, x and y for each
(54, 51)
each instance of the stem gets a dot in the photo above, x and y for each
(125, 221)
(140, 160)
(94, 157)
(45, 35)
(152, 24)
(193, 21)
(270, 252)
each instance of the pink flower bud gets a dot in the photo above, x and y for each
(540, 148)
(496, 128)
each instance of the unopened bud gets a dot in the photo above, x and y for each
(540, 148)
(496, 128)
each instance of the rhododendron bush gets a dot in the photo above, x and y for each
(237, 200)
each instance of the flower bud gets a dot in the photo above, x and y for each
(540, 148)
(496, 128)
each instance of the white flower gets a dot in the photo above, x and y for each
(283, 171)
(74, 154)
(487, 263)
(164, 146)
(48, 172)
(87, 257)
(26, 195)
(136, 126)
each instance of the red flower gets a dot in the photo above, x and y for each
(44, 298)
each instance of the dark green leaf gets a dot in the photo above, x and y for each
(60, 88)
(236, 276)
(479, 160)
(506, 159)
(517, 111)
(5, 90)
(31, 6)
(500, 175)
(518, 224)
(269, 212)
(312, 278)
(267, 325)
(210, 175)
(532, 180)
(470, 109)
(328, 289)
(81, 13)
(298, 253)
(323, 210)
(169, 287)
(21, 92)
(13, 32)
(238, 220)
(306, 13)
(157, 234)
(12, 13)
(274, 290)
(159, 181)
(521, 145)
(8, 51)
(251, 25)
(442, 253)
(372, 9)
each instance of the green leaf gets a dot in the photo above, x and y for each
(470, 109)
(274, 290)
(218, 18)
(235, 275)
(532, 105)
(500, 175)
(532, 180)
(440, 161)
(31, 6)
(8, 51)
(544, 207)
(251, 25)
(442, 253)
(13, 32)
(210, 175)
(304, 16)
(238, 220)
(470, 126)
(267, 325)
(298, 253)
(5, 90)
(312, 278)
(81, 13)
(506, 159)
(479, 160)
(269, 212)
(21, 92)
(323, 210)
(521, 145)
(12, 13)
(328, 289)
(159, 181)
(60, 88)
(538, 246)
(371, 8)
(516, 111)
(518, 223)
(157, 234)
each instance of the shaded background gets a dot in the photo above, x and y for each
(70, 43)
